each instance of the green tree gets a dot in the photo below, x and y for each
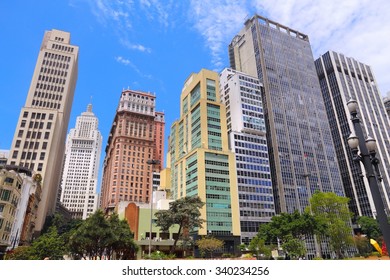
(208, 245)
(92, 237)
(122, 244)
(99, 236)
(257, 246)
(333, 211)
(370, 227)
(290, 225)
(294, 247)
(49, 245)
(184, 212)
(19, 253)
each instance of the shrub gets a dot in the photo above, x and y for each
(157, 255)
(227, 255)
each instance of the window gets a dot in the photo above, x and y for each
(5, 194)
(20, 133)
(48, 126)
(25, 114)
(44, 145)
(40, 166)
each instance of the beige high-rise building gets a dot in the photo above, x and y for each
(40, 134)
(201, 163)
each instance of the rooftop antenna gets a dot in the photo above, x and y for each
(89, 107)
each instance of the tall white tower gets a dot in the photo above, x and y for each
(241, 94)
(80, 173)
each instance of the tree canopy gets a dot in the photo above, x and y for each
(96, 237)
(290, 230)
(259, 248)
(290, 225)
(102, 237)
(370, 227)
(208, 245)
(332, 210)
(184, 212)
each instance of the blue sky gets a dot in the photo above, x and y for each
(153, 45)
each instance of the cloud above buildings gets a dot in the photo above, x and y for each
(128, 62)
(357, 29)
(218, 21)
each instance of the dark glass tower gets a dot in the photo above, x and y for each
(301, 151)
(342, 78)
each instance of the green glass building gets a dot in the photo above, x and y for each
(200, 160)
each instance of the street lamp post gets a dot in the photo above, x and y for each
(368, 157)
(151, 162)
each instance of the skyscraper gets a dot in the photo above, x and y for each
(40, 134)
(81, 167)
(342, 78)
(241, 94)
(302, 155)
(200, 160)
(136, 136)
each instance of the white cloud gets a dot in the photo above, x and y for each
(218, 21)
(358, 29)
(129, 63)
(112, 11)
(123, 60)
(137, 47)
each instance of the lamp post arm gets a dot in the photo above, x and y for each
(372, 180)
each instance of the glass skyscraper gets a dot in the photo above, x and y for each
(342, 78)
(301, 151)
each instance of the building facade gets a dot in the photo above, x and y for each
(4, 154)
(342, 78)
(201, 163)
(134, 140)
(10, 191)
(241, 95)
(301, 151)
(24, 220)
(40, 134)
(81, 167)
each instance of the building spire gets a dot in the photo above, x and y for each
(89, 107)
